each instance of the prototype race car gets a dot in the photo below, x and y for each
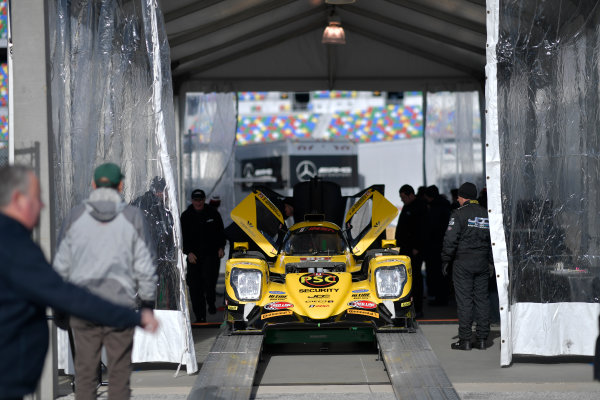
(317, 274)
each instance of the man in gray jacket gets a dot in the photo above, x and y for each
(105, 246)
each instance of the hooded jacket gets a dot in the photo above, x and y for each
(105, 246)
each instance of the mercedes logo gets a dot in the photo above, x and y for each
(305, 170)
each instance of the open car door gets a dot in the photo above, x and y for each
(368, 217)
(260, 219)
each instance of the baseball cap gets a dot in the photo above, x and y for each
(198, 194)
(107, 175)
(467, 191)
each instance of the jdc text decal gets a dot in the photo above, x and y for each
(319, 279)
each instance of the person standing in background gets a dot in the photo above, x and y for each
(409, 238)
(467, 246)
(203, 237)
(105, 246)
(160, 222)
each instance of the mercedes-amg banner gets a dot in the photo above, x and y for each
(264, 171)
(342, 170)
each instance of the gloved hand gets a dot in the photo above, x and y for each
(445, 269)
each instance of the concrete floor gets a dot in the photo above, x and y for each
(344, 371)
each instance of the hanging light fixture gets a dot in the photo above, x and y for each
(339, 1)
(334, 33)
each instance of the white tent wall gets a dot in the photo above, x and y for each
(112, 100)
(544, 174)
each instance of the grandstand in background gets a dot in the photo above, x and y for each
(357, 116)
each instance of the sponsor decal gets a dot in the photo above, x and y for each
(363, 304)
(319, 296)
(319, 279)
(363, 312)
(361, 296)
(319, 290)
(233, 308)
(315, 258)
(478, 222)
(276, 292)
(320, 229)
(277, 297)
(405, 304)
(320, 301)
(318, 305)
(265, 200)
(276, 314)
(363, 199)
(360, 291)
(278, 305)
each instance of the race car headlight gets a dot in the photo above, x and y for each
(247, 283)
(390, 281)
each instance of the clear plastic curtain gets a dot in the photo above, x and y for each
(543, 68)
(208, 161)
(548, 77)
(453, 151)
(104, 92)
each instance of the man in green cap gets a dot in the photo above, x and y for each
(105, 246)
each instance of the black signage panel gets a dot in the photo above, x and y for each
(262, 171)
(342, 170)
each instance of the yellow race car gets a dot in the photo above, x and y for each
(323, 271)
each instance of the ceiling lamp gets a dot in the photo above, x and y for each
(338, 2)
(334, 33)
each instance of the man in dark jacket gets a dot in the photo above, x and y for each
(204, 244)
(467, 245)
(409, 235)
(28, 285)
(160, 221)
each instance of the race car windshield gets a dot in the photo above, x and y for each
(314, 240)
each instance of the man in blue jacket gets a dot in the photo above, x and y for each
(28, 285)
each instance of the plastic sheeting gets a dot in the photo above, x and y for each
(208, 159)
(543, 74)
(453, 140)
(112, 101)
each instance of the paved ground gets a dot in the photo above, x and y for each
(343, 372)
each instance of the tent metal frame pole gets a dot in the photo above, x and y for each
(424, 136)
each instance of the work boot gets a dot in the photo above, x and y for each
(462, 344)
(481, 344)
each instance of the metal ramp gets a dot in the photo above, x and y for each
(228, 370)
(414, 370)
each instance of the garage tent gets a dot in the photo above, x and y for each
(540, 148)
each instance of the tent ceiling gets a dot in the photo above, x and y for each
(227, 45)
